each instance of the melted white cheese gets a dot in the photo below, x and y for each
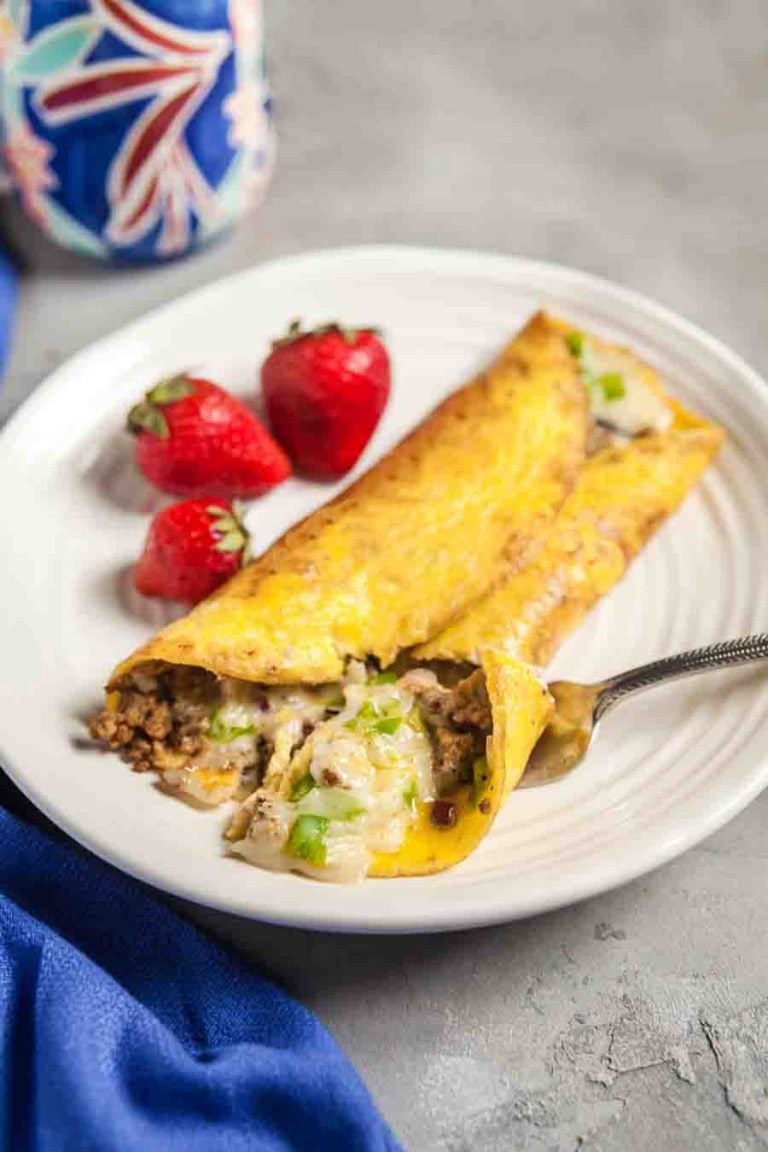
(638, 410)
(360, 775)
(276, 714)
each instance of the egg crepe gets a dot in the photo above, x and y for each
(475, 546)
(271, 686)
(627, 489)
(410, 545)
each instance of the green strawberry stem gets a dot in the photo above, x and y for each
(230, 531)
(296, 332)
(147, 416)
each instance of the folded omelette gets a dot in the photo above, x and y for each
(273, 687)
(364, 688)
(647, 457)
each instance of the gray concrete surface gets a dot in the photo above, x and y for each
(627, 138)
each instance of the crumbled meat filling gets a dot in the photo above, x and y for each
(148, 714)
(471, 706)
(162, 721)
(453, 753)
(169, 711)
(458, 720)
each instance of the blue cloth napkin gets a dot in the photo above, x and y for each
(123, 1029)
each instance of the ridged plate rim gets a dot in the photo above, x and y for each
(459, 899)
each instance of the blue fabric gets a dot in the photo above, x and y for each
(8, 279)
(123, 1029)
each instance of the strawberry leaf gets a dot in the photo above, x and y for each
(294, 333)
(146, 417)
(173, 388)
(232, 542)
(232, 534)
(348, 333)
(223, 519)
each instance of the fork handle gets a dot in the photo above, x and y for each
(727, 654)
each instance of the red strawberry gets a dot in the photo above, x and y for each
(195, 439)
(191, 549)
(325, 391)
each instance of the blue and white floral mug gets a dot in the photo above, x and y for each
(134, 129)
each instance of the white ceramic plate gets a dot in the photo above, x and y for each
(668, 769)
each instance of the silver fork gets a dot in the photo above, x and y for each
(579, 708)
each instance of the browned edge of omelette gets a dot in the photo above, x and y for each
(412, 543)
(625, 492)
(564, 547)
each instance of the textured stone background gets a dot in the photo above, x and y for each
(628, 139)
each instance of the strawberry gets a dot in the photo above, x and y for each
(325, 391)
(195, 439)
(191, 549)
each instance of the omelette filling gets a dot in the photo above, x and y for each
(328, 776)
(622, 400)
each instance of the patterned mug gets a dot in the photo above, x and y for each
(134, 129)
